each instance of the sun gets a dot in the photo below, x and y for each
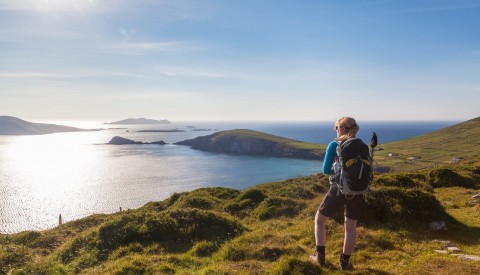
(61, 5)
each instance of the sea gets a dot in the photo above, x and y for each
(77, 174)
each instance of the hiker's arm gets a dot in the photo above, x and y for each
(330, 155)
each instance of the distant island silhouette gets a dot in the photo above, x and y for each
(116, 140)
(129, 121)
(14, 126)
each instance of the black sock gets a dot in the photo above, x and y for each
(344, 257)
(321, 250)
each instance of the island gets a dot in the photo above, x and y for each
(161, 131)
(130, 121)
(124, 141)
(14, 126)
(249, 142)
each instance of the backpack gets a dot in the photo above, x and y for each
(354, 168)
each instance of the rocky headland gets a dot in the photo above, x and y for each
(249, 142)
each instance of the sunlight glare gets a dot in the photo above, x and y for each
(61, 5)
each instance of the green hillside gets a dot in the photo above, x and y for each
(267, 229)
(453, 143)
(250, 142)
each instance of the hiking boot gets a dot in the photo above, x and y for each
(345, 265)
(318, 258)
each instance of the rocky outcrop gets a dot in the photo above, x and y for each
(123, 141)
(248, 142)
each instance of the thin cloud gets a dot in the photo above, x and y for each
(31, 75)
(142, 48)
(47, 5)
(179, 71)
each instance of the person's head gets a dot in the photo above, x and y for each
(346, 127)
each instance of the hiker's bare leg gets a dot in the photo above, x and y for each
(350, 236)
(320, 232)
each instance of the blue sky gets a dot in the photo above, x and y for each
(240, 60)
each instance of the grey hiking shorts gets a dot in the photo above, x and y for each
(332, 203)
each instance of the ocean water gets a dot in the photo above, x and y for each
(77, 174)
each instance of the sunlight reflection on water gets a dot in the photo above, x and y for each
(76, 174)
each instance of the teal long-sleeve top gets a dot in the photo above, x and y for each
(329, 159)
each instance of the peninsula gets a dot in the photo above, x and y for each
(133, 121)
(249, 142)
(14, 126)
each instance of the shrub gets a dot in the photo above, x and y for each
(409, 180)
(43, 267)
(254, 195)
(132, 267)
(195, 202)
(204, 249)
(446, 178)
(26, 237)
(276, 207)
(12, 256)
(126, 250)
(219, 192)
(143, 228)
(197, 224)
(296, 192)
(400, 207)
(246, 201)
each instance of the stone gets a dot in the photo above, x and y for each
(470, 258)
(453, 249)
(437, 226)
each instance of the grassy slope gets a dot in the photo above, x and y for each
(435, 148)
(281, 140)
(266, 229)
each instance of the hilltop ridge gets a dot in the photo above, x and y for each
(129, 121)
(446, 145)
(14, 126)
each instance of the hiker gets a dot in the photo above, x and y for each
(346, 127)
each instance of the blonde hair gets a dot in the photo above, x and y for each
(350, 125)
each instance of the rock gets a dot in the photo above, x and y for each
(470, 258)
(437, 226)
(453, 249)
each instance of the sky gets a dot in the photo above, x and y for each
(282, 60)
